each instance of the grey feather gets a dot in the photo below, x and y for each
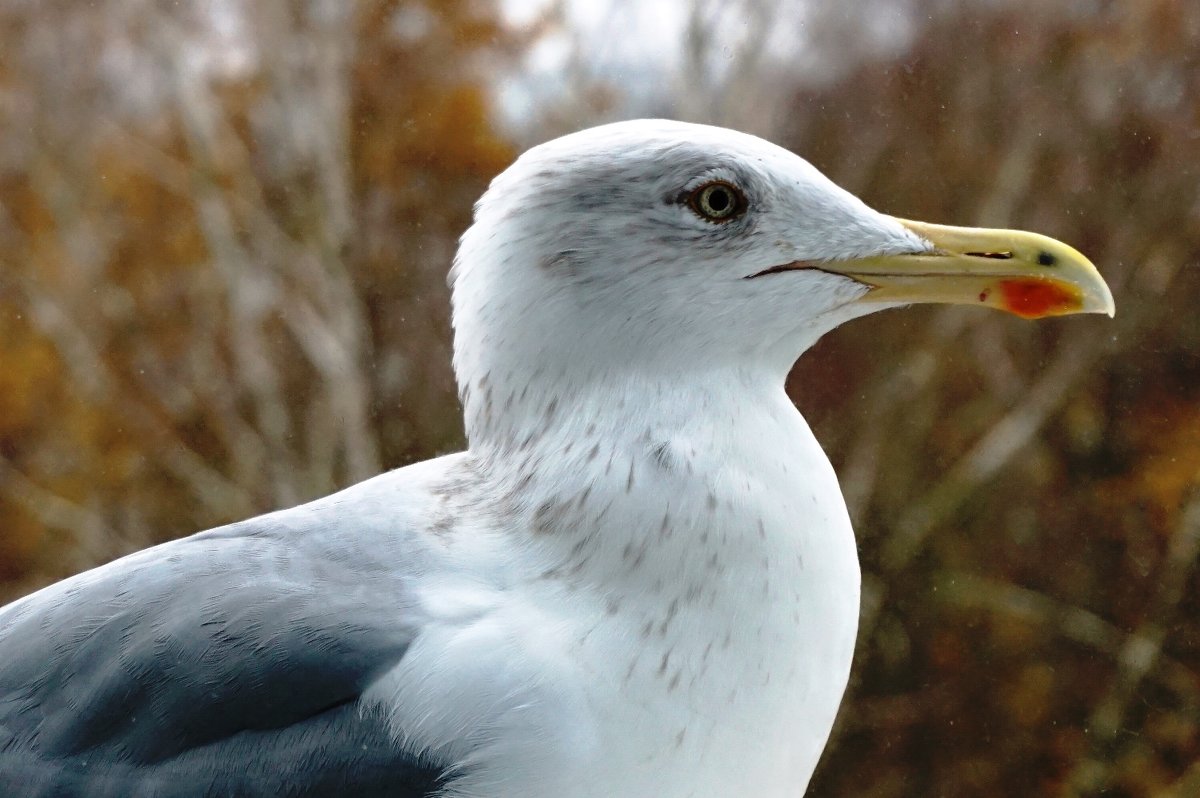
(227, 663)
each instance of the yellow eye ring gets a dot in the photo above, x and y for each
(718, 201)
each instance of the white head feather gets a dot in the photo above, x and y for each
(586, 260)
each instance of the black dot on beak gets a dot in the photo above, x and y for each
(1046, 259)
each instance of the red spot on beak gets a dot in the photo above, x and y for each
(1033, 298)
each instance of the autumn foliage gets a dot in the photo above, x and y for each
(222, 285)
(1025, 494)
(223, 245)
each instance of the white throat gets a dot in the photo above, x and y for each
(698, 517)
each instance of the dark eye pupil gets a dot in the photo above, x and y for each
(718, 199)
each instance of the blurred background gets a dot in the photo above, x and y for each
(224, 234)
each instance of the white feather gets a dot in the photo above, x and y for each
(641, 577)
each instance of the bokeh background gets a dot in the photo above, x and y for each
(225, 229)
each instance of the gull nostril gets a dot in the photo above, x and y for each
(997, 255)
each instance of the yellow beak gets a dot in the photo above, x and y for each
(1027, 274)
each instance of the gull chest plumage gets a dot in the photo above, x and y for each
(638, 580)
(733, 572)
(687, 567)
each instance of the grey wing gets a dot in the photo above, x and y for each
(229, 663)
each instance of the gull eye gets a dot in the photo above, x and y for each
(717, 201)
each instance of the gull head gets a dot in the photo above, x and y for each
(655, 245)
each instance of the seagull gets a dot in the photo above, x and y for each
(639, 579)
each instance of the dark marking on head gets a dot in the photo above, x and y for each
(564, 260)
(711, 501)
(666, 659)
(629, 480)
(661, 455)
(672, 610)
(637, 560)
(679, 737)
(674, 681)
(591, 455)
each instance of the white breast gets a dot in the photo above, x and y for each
(724, 676)
(651, 634)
